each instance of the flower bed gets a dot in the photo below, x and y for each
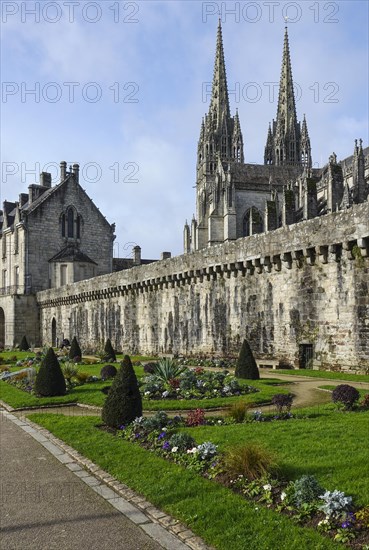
(193, 383)
(304, 500)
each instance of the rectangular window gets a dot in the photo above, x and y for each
(5, 278)
(16, 276)
(63, 275)
(3, 245)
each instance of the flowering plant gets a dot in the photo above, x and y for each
(335, 502)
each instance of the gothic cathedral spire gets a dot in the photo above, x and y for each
(288, 142)
(219, 106)
(221, 135)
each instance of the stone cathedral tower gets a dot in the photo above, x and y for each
(288, 142)
(235, 199)
(220, 141)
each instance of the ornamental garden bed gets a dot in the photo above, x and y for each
(238, 512)
(210, 390)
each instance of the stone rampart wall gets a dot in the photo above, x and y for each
(302, 284)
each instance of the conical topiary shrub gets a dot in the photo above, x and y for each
(24, 346)
(246, 366)
(123, 403)
(49, 379)
(75, 350)
(109, 351)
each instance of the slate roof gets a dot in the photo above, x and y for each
(71, 254)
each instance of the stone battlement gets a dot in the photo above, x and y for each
(316, 241)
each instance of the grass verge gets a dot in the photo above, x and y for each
(223, 519)
(327, 375)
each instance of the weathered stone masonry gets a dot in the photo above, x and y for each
(307, 283)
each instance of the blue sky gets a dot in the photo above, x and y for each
(121, 89)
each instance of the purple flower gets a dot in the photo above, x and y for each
(122, 427)
(162, 435)
(137, 435)
(166, 446)
(345, 524)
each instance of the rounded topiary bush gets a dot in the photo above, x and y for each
(24, 346)
(75, 351)
(109, 351)
(246, 366)
(345, 395)
(50, 380)
(149, 368)
(123, 403)
(108, 371)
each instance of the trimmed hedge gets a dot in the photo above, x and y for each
(246, 366)
(50, 380)
(123, 403)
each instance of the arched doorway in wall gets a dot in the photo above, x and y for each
(53, 333)
(2, 328)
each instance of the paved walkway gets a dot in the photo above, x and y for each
(48, 501)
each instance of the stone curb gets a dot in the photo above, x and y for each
(164, 529)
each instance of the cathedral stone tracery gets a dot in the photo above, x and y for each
(284, 190)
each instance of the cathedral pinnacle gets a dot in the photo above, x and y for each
(288, 140)
(286, 113)
(219, 106)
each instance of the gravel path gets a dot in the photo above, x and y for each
(306, 390)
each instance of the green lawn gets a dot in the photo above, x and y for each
(223, 519)
(331, 445)
(90, 394)
(329, 375)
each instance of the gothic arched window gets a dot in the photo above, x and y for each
(252, 222)
(70, 223)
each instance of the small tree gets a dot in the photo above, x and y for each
(50, 380)
(246, 366)
(109, 351)
(75, 350)
(23, 346)
(123, 403)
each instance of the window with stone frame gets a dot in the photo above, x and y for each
(5, 278)
(16, 276)
(252, 222)
(63, 274)
(15, 240)
(71, 223)
(3, 245)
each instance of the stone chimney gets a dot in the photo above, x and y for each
(75, 170)
(136, 255)
(45, 179)
(166, 255)
(63, 171)
(23, 199)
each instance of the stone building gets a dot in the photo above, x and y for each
(235, 199)
(50, 237)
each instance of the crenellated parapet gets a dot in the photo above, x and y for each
(317, 241)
